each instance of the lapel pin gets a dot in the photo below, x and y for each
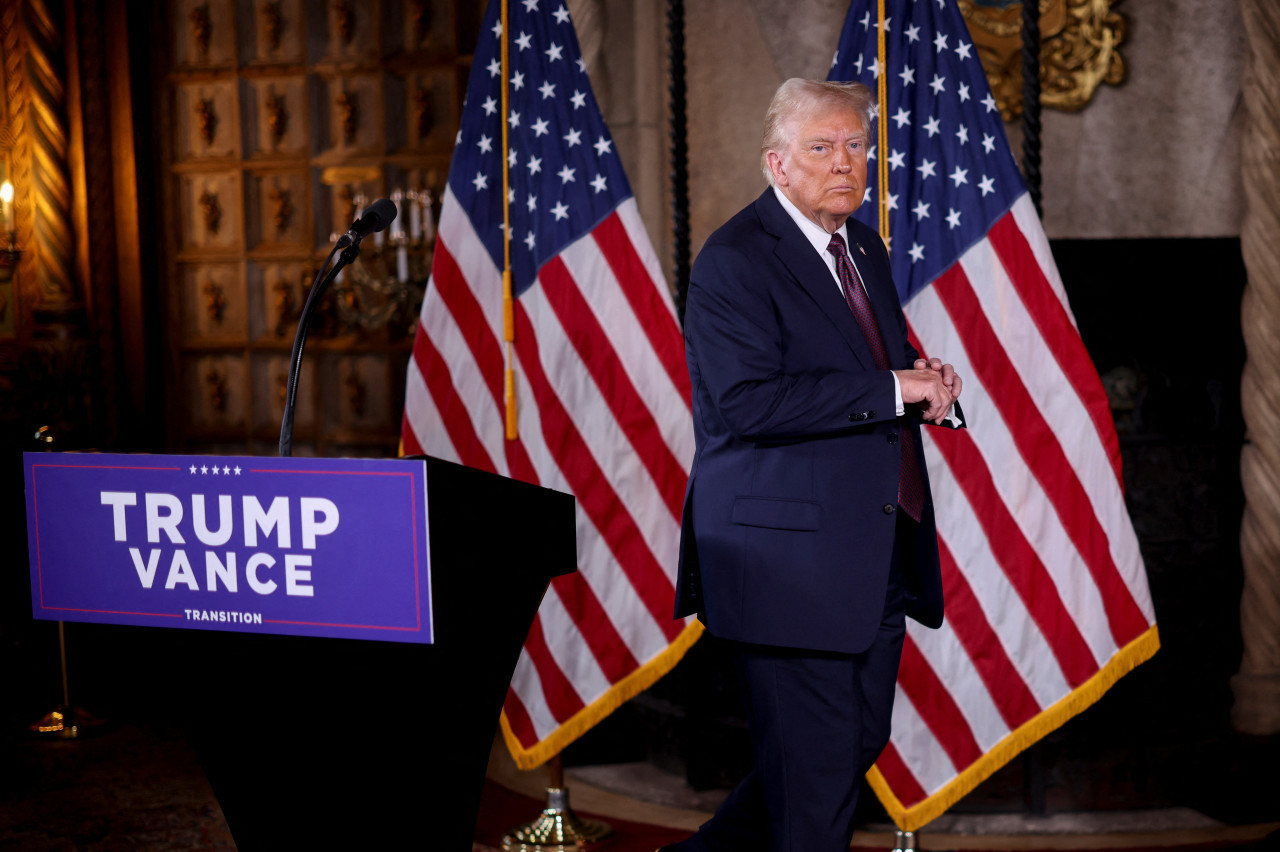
(861, 249)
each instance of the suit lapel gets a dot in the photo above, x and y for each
(812, 275)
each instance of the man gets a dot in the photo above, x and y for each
(808, 530)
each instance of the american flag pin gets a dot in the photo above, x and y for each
(861, 249)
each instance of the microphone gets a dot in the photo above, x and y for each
(379, 215)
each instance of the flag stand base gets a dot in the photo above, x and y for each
(906, 842)
(558, 829)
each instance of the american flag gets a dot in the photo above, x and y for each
(600, 381)
(1046, 593)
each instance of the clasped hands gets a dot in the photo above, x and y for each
(932, 385)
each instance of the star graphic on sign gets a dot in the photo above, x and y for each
(204, 469)
(917, 252)
(524, 41)
(573, 137)
(902, 117)
(921, 210)
(554, 52)
(535, 165)
(987, 185)
(932, 126)
(490, 106)
(540, 127)
(579, 99)
(599, 183)
(566, 174)
(953, 218)
(193, 468)
(237, 469)
(926, 169)
(485, 144)
(481, 182)
(548, 90)
(603, 146)
(560, 211)
(215, 470)
(517, 82)
(896, 160)
(960, 176)
(562, 15)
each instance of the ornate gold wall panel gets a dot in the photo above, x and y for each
(278, 116)
(1079, 50)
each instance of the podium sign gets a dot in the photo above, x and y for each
(304, 547)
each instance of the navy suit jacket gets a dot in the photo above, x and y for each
(790, 512)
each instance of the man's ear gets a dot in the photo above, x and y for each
(774, 159)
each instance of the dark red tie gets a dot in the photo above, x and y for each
(910, 482)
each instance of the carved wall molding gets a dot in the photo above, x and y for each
(52, 240)
(1257, 685)
(1079, 50)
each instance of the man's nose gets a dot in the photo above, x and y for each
(843, 162)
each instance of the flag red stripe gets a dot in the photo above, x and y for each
(646, 302)
(562, 698)
(1056, 329)
(1015, 555)
(596, 497)
(469, 315)
(408, 437)
(518, 719)
(456, 418)
(597, 629)
(1041, 451)
(597, 353)
(936, 707)
(1008, 690)
(899, 778)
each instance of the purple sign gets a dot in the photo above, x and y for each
(305, 547)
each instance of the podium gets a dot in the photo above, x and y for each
(316, 743)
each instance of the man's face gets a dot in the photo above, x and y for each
(824, 169)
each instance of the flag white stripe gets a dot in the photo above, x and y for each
(919, 749)
(953, 667)
(564, 641)
(527, 686)
(1022, 493)
(1017, 632)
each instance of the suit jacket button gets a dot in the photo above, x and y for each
(888, 508)
(892, 437)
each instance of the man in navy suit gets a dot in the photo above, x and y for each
(808, 531)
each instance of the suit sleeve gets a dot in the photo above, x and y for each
(738, 339)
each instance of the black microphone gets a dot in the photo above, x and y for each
(379, 215)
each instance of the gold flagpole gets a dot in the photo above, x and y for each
(882, 95)
(508, 299)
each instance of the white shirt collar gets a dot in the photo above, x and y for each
(812, 232)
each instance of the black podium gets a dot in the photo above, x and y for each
(330, 744)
